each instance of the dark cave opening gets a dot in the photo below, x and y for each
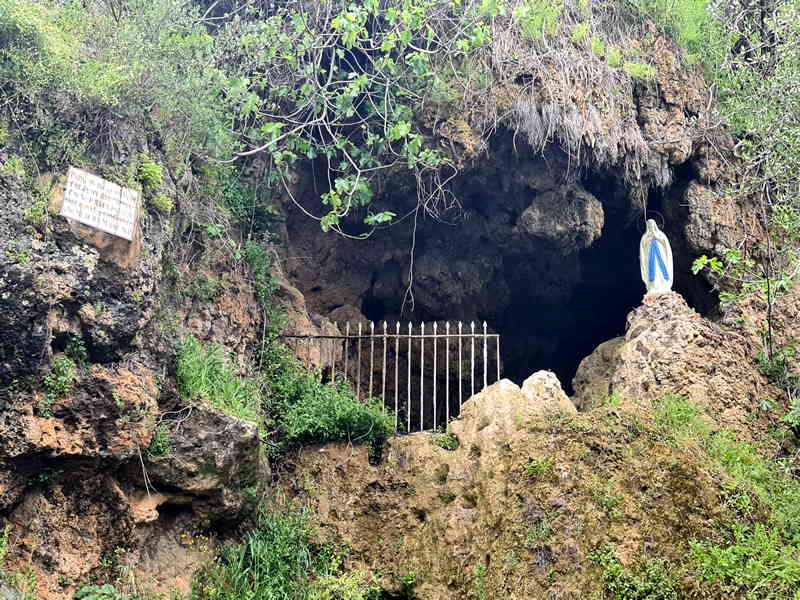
(557, 335)
(553, 287)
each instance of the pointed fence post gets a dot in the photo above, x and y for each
(447, 371)
(346, 349)
(485, 358)
(422, 377)
(435, 372)
(408, 408)
(396, 371)
(371, 355)
(358, 382)
(498, 357)
(472, 360)
(460, 369)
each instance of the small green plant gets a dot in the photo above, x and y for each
(76, 349)
(446, 440)
(614, 56)
(639, 70)
(480, 581)
(21, 256)
(58, 383)
(13, 166)
(280, 559)
(5, 533)
(36, 212)
(777, 366)
(607, 500)
(580, 31)
(538, 532)
(539, 468)
(162, 202)
(598, 46)
(97, 592)
(538, 18)
(149, 172)
(205, 287)
(409, 581)
(161, 443)
(651, 580)
(204, 374)
(678, 418)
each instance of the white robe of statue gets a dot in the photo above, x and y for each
(655, 260)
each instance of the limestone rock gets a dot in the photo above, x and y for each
(569, 217)
(525, 464)
(213, 459)
(592, 381)
(108, 414)
(544, 389)
(670, 349)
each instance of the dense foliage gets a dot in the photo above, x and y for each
(357, 89)
(279, 560)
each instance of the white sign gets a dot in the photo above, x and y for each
(100, 204)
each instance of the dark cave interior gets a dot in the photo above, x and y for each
(552, 302)
(604, 284)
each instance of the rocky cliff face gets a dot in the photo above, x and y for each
(541, 247)
(540, 243)
(532, 487)
(79, 486)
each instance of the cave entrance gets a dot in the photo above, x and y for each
(558, 334)
(553, 282)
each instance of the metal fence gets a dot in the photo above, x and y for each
(423, 373)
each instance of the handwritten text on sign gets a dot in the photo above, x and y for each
(101, 204)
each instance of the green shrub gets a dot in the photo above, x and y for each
(753, 559)
(777, 365)
(639, 70)
(62, 375)
(580, 31)
(204, 374)
(204, 287)
(76, 349)
(309, 410)
(150, 173)
(279, 560)
(161, 443)
(99, 592)
(651, 580)
(317, 412)
(686, 20)
(540, 467)
(538, 17)
(163, 203)
(446, 440)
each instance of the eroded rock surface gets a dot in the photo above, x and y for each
(532, 489)
(670, 349)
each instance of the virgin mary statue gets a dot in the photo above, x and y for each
(655, 260)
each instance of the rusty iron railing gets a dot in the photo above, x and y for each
(411, 372)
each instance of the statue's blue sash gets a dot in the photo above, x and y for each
(653, 256)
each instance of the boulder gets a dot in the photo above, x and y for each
(213, 459)
(668, 348)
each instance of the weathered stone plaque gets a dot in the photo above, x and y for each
(101, 204)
